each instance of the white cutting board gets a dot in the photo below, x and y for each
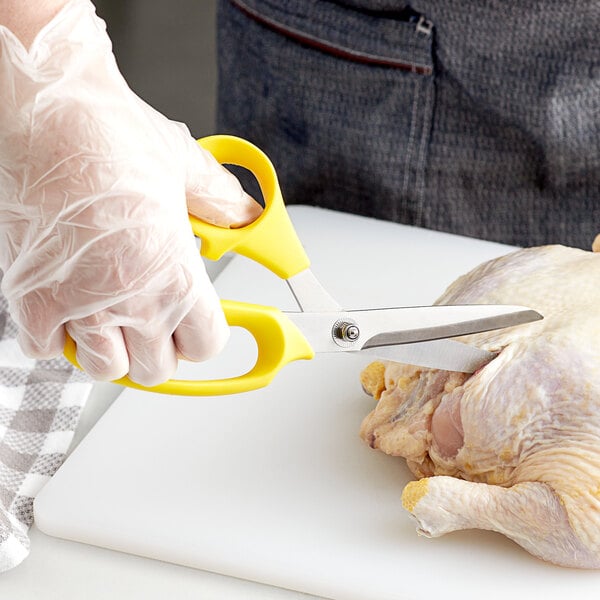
(274, 485)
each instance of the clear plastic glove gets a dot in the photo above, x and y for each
(95, 186)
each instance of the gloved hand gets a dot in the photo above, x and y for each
(94, 235)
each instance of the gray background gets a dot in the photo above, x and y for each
(166, 51)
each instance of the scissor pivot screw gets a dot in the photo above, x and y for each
(345, 333)
(350, 333)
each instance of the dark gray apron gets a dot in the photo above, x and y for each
(481, 118)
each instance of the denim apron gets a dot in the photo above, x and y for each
(478, 118)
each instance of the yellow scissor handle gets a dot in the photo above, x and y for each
(271, 240)
(279, 342)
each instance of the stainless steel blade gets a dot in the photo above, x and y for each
(310, 293)
(326, 331)
(417, 324)
(447, 355)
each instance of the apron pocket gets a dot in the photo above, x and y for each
(342, 100)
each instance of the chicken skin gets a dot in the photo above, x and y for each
(514, 447)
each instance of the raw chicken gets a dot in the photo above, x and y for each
(514, 447)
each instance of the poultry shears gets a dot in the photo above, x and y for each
(415, 335)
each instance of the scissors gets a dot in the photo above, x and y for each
(415, 335)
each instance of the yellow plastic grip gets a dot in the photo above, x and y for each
(279, 342)
(270, 240)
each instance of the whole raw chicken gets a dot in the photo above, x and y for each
(514, 447)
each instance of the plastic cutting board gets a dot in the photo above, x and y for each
(274, 485)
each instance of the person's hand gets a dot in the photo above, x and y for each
(94, 234)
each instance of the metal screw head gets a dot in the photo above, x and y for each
(345, 333)
(351, 333)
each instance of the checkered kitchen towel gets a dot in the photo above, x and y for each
(40, 404)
